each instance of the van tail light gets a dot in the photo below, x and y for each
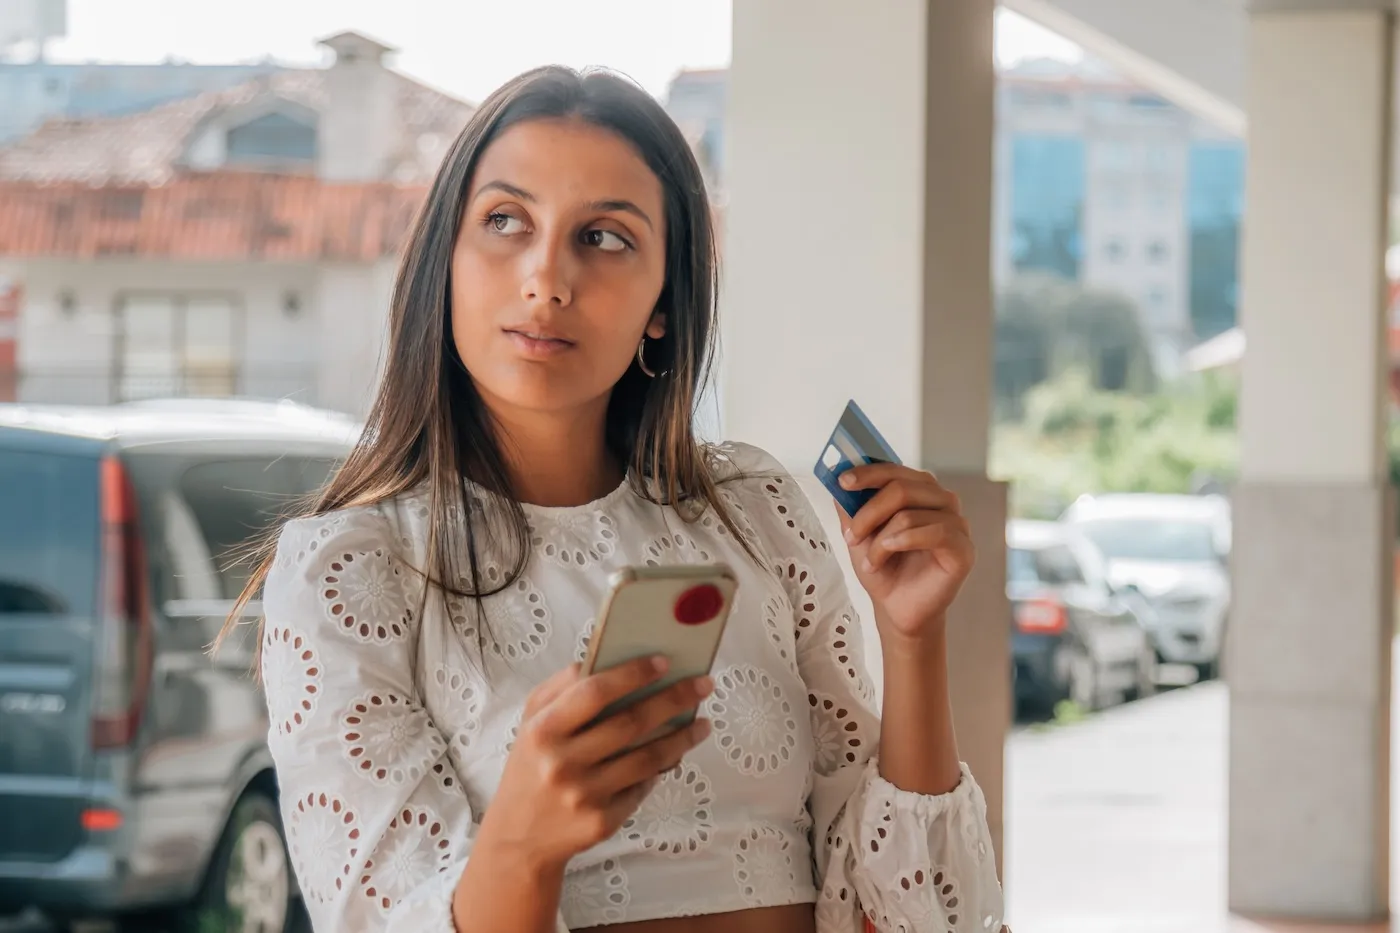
(102, 821)
(123, 646)
(1041, 617)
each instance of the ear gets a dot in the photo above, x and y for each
(656, 327)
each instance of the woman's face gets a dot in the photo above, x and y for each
(558, 266)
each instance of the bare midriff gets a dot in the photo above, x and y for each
(793, 918)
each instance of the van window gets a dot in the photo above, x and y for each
(1057, 566)
(231, 503)
(48, 533)
(310, 474)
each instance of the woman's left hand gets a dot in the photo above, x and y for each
(910, 545)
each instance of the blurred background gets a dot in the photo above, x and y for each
(1016, 233)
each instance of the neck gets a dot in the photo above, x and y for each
(559, 458)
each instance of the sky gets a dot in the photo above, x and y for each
(464, 47)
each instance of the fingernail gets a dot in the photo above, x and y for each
(866, 566)
(704, 685)
(849, 536)
(659, 663)
(847, 480)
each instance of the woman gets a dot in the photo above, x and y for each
(551, 327)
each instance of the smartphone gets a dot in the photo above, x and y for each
(853, 442)
(678, 610)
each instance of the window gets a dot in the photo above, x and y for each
(202, 513)
(309, 475)
(48, 532)
(1057, 566)
(170, 345)
(1020, 566)
(272, 137)
(1164, 539)
(229, 503)
(1047, 203)
(1213, 202)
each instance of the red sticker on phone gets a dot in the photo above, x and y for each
(699, 604)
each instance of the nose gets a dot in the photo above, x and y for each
(549, 273)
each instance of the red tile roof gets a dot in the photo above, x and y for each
(147, 147)
(214, 216)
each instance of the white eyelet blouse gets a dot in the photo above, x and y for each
(389, 733)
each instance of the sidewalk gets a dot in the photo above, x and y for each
(1117, 824)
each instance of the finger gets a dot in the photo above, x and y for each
(545, 693)
(626, 803)
(581, 702)
(876, 546)
(945, 538)
(875, 475)
(654, 758)
(894, 497)
(633, 724)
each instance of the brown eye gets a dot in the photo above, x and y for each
(606, 240)
(504, 223)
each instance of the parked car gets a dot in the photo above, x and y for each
(1173, 550)
(1072, 636)
(135, 781)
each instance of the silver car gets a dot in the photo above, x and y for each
(1173, 550)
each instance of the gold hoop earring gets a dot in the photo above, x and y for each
(642, 363)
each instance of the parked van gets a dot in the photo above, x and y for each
(135, 780)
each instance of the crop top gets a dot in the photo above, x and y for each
(389, 729)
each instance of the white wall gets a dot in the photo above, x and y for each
(68, 357)
(352, 325)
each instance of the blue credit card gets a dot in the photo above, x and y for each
(854, 442)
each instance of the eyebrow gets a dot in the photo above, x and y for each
(608, 205)
(623, 205)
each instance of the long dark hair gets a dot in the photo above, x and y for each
(428, 427)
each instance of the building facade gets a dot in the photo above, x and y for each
(1105, 183)
(1098, 181)
(241, 241)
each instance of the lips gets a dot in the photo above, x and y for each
(538, 335)
(537, 343)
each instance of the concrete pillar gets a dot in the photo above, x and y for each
(1308, 653)
(857, 264)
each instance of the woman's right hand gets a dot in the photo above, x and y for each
(569, 781)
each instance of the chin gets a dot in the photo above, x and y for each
(541, 395)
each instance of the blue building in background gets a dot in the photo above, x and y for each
(1215, 209)
(1099, 181)
(1103, 183)
(1047, 204)
(34, 92)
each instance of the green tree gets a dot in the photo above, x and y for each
(1047, 326)
(1075, 438)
